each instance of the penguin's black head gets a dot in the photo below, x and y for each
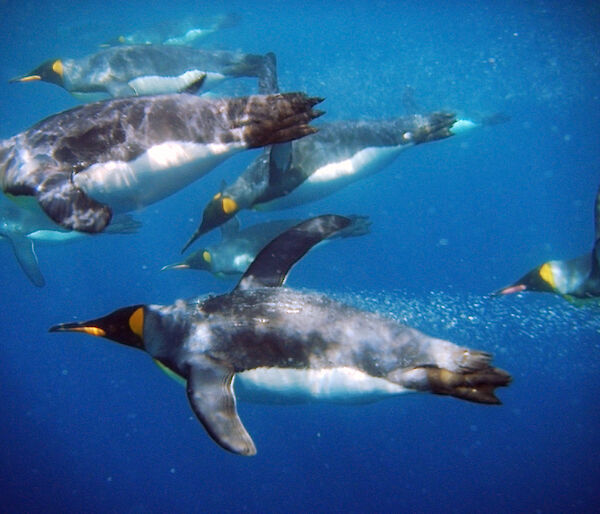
(125, 326)
(540, 279)
(218, 211)
(51, 71)
(200, 259)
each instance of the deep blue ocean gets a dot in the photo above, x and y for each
(91, 426)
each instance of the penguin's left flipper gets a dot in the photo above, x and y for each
(69, 206)
(210, 392)
(274, 261)
(359, 226)
(25, 253)
(123, 224)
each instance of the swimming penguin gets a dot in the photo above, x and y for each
(289, 346)
(87, 163)
(23, 228)
(185, 31)
(238, 248)
(341, 153)
(574, 279)
(147, 70)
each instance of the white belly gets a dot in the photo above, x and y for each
(156, 85)
(334, 385)
(159, 172)
(336, 175)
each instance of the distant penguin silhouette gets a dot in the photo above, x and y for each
(87, 163)
(574, 279)
(184, 31)
(238, 247)
(148, 70)
(341, 153)
(289, 346)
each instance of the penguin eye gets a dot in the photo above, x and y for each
(217, 196)
(206, 256)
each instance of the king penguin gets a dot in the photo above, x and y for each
(137, 70)
(575, 279)
(181, 31)
(85, 164)
(342, 153)
(24, 228)
(289, 346)
(238, 247)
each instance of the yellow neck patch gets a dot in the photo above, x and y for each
(206, 256)
(136, 322)
(229, 205)
(547, 275)
(57, 67)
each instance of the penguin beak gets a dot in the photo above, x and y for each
(513, 288)
(79, 327)
(175, 266)
(517, 287)
(26, 78)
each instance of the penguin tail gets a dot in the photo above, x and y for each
(267, 75)
(277, 118)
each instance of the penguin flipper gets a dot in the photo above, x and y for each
(230, 228)
(25, 253)
(274, 261)
(70, 207)
(210, 392)
(280, 159)
(120, 89)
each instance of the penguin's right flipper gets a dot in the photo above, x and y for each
(25, 253)
(359, 226)
(267, 78)
(274, 261)
(210, 392)
(230, 228)
(69, 206)
(280, 158)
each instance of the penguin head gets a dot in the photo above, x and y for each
(540, 279)
(50, 71)
(200, 260)
(219, 210)
(125, 326)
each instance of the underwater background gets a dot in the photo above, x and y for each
(91, 426)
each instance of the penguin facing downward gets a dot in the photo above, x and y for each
(238, 248)
(575, 279)
(85, 164)
(290, 346)
(341, 153)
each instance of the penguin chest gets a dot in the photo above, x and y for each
(160, 171)
(159, 84)
(333, 385)
(333, 175)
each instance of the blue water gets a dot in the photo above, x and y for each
(90, 426)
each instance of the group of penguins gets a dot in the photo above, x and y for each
(82, 172)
